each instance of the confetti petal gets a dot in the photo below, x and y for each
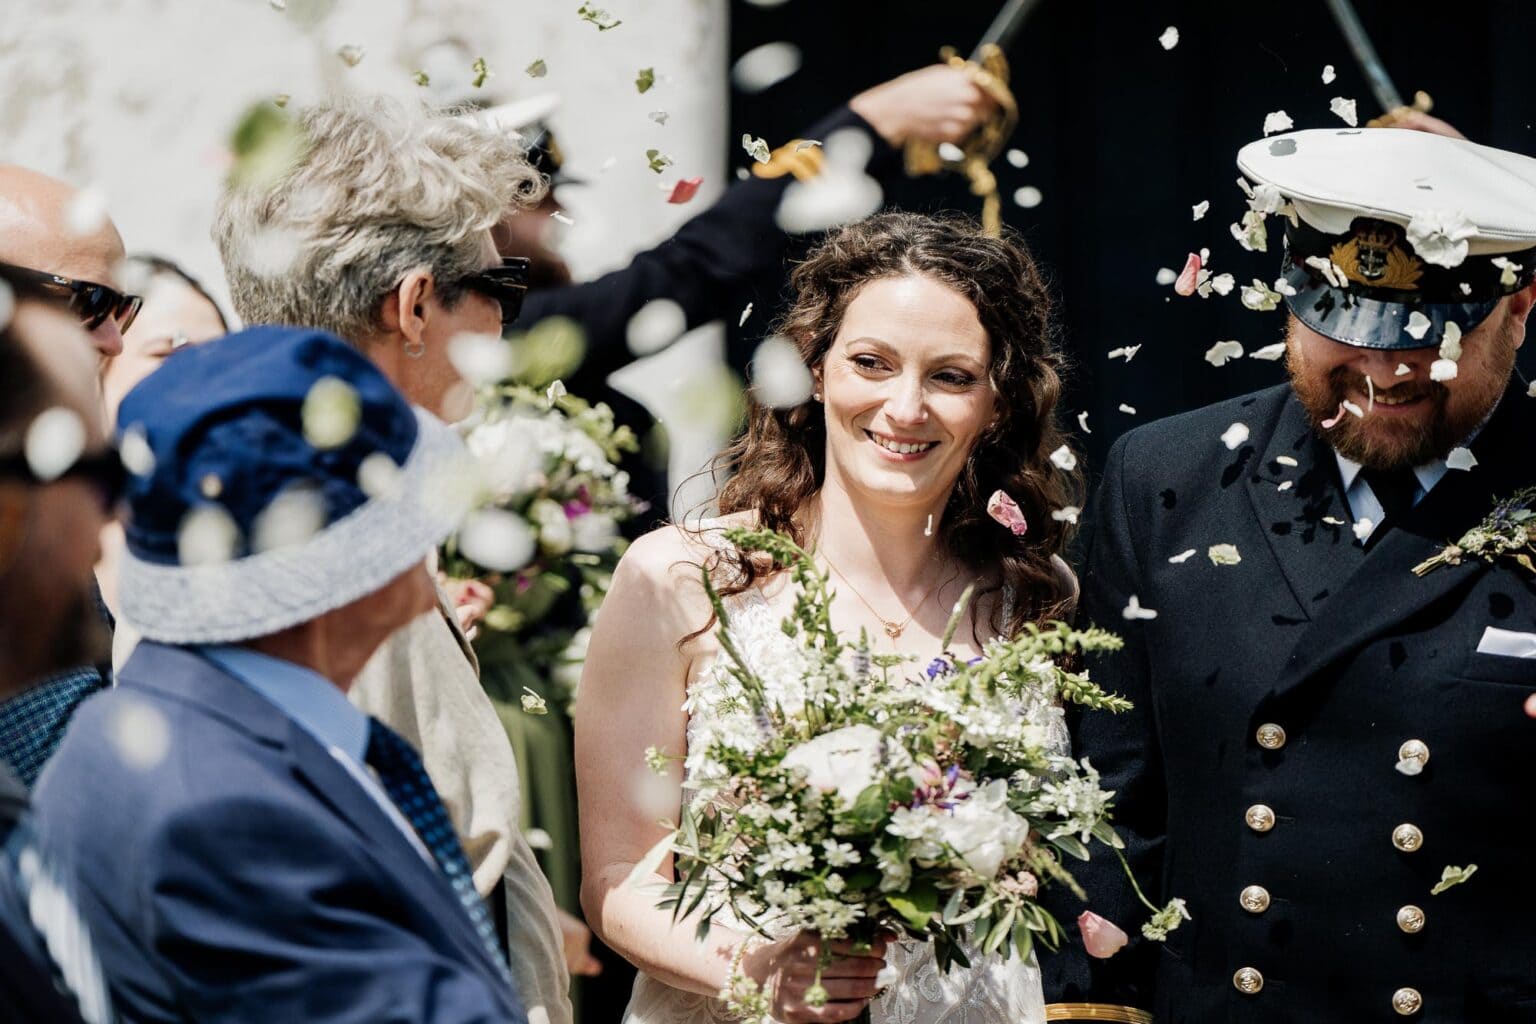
(1167, 275)
(1508, 270)
(645, 80)
(1460, 458)
(1345, 109)
(1066, 514)
(1440, 236)
(1269, 352)
(1328, 74)
(1443, 370)
(1352, 408)
(1127, 409)
(497, 539)
(1223, 351)
(1223, 554)
(1028, 197)
(1333, 421)
(1402, 370)
(351, 56)
(1286, 460)
(1169, 39)
(1182, 557)
(744, 314)
(481, 359)
(330, 413)
(538, 69)
(658, 324)
(1127, 353)
(1418, 325)
(757, 149)
(1362, 528)
(1185, 283)
(1234, 436)
(684, 190)
(208, 535)
(1018, 158)
(1133, 611)
(293, 518)
(1063, 459)
(765, 66)
(1277, 121)
(86, 213)
(1082, 422)
(1006, 511)
(54, 441)
(780, 378)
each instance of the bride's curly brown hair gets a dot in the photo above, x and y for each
(778, 464)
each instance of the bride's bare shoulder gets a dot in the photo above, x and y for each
(674, 554)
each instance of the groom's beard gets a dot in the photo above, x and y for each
(1380, 443)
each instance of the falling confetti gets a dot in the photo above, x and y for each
(1330, 270)
(1460, 458)
(951, 153)
(293, 518)
(1286, 460)
(1127, 409)
(418, 76)
(208, 535)
(86, 213)
(763, 67)
(497, 539)
(757, 149)
(744, 314)
(1285, 485)
(1063, 459)
(1333, 421)
(657, 160)
(54, 441)
(140, 734)
(1166, 275)
(1189, 276)
(481, 72)
(1452, 875)
(1222, 352)
(1028, 197)
(1018, 158)
(1328, 75)
(1259, 297)
(562, 217)
(1066, 514)
(1127, 353)
(379, 477)
(658, 324)
(330, 413)
(1269, 352)
(1201, 208)
(645, 80)
(481, 359)
(1351, 408)
(601, 18)
(1223, 554)
(1169, 39)
(1133, 610)
(780, 378)
(1345, 109)
(351, 56)
(805, 144)
(1234, 436)
(1443, 370)
(684, 190)
(659, 116)
(1418, 325)
(1182, 557)
(1440, 236)
(1082, 422)
(1402, 370)
(533, 704)
(1508, 268)
(1362, 528)
(1277, 121)
(538, 69)
(7, 305)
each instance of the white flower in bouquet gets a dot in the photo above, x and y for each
(555, 534)
(509, 465)
(983, 830)
(593, 532)
(845, 762)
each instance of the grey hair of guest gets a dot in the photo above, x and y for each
(382, 188)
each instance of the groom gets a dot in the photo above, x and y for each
(1325, 741)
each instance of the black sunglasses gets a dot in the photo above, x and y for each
(103, 470)
(507, 284)
(93, 303)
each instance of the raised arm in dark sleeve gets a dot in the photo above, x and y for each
(1124, 748)
(706, 267)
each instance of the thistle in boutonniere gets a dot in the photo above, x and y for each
(1508, 532)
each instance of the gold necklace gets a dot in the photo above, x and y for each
(892, 629)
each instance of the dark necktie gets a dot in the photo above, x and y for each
(405, 780)
(1395, 489)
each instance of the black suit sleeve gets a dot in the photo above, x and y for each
(706, 267)
(1124, 748)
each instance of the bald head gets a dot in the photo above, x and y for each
(35, 232)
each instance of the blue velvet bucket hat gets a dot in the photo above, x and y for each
(1386, 223)
(277, 475)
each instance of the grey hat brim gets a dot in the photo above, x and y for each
(1348, 317)
(354, 556)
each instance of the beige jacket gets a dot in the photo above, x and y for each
(424, 683)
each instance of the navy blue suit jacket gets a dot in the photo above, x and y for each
(245, 875)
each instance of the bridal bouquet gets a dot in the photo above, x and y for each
(546, 535)
(844, 793)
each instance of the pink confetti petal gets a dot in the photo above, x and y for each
(685, 190)
(1333, 420)
(1101, 938)
(1186, 283)
(1006, 511)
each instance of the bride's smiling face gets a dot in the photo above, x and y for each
(906, 391)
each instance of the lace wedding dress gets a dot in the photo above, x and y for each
(991, 991)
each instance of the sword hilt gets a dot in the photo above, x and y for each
(1422, 103)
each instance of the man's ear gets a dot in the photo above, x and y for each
(1520, 304)
(404, 310)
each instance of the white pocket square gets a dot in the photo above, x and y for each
(1507, 642)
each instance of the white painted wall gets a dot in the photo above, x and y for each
(137, 98)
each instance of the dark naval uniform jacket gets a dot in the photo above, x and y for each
(1258, 776)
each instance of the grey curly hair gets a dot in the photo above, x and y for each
(380, 190)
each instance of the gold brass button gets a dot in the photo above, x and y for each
(1412, 756)
(1407, 838)
(1249, 981)
(1270, 736)
(1407, 1001)
(1410, 919)
(1255, 899)
(1260, 818)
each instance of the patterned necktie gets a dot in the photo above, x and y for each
(405, 780)
(1395, 489)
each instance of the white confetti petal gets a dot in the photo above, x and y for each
(54, 442)
(1410, 766)
(7, 305)
(86, 213)
(1440, 236)
(1082, 422)
(1345, 109)
(497, 539)
(1223, 554)
(1201, 208)
(1018, 158)
(1363, 527)
(658, 324)
(1450, 341)
(331, 413)
(951, 153)
(1127, 353)
(481, 359)
(1352, 408)
(1507, 269)
(1333, 520)
(1330, 270)
(1223, 351)
(1402, 370)
(352, 56)
(1066, 514)
(292, 518)
(140, 733)
(1285, 485)
(1166, 275)
(138, 458)
(1028, 197)
(1063, 459)
(379, 477)
(1284, 287)
(780, 378)
(555, 392)
(1127, 409)
(1460, 458)
(1222, 284)
(1328, 74)
(1269, 352)
(1134, 611)
(1443, 370)
(1418, 325)
(208, 535)
(1466, 289)
(1234, 436)
(757, 149)
(1277, 121)
(1182, 557)
(1286, 460)
(1169, 39)
(1530, 392)
(765, 66)
(563, 218)
(744, 314)
(840, 194)
(1259, 298)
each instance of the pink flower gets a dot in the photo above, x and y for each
(1101, 938)
(1029, 885)
(1187, 281)
(1006, 511)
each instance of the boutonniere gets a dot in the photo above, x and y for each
(1508, 532)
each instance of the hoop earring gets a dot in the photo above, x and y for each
(415, 349)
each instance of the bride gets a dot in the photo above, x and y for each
(935, 384)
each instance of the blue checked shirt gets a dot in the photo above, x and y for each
(33, 722)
